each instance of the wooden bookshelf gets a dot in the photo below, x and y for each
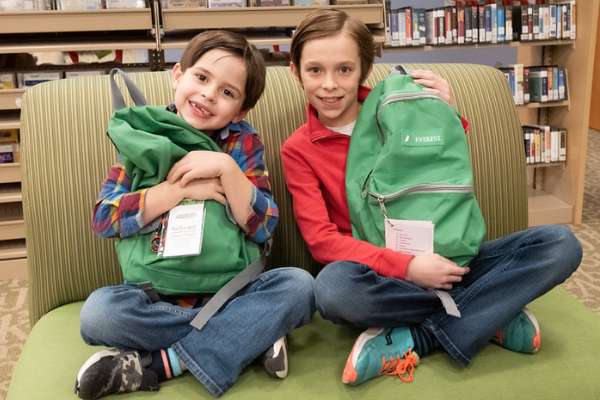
(558, 193)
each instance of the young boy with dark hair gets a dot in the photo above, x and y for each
(219, 79)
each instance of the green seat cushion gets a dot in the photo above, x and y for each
(566, 366)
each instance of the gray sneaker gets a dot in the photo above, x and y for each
(275, 359)
(115, 371)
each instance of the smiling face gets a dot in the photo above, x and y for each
(330, 73)
(210, 94)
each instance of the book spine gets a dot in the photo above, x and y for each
(475, 23)
(388, 23)
(408, 26)
(508, 23)
(535, 20)
(401, 28)
(555, 144)
(460, 25)
(526, 97)
(550, 84)
(561, 84)
(553, 21)
(530, 22)
(454, 25)
(430, 27)
(562, 154)
(573, 19)
(538, 146)
(488, 23)
(501, 24)
(394, 28)
(481, 14)
(448, 23)
(422, 28)
(416, 39)
(441, 20)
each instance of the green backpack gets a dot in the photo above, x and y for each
(150, 140)
(408, 160)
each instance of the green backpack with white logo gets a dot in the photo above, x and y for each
(409, 160)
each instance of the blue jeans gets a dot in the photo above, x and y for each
(270, 306)
(507, 274)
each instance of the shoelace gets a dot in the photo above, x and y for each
(400, 366)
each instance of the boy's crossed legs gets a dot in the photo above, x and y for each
(124, 317)
(506, 275)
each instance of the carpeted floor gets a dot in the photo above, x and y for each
(583, 285)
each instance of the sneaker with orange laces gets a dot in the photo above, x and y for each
(379, 351)
(521, 334)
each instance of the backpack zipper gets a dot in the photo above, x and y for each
(406, 96)
(418, 189)
(394, 97)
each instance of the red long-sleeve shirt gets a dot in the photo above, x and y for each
(314, 163)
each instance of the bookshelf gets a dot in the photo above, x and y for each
(151, 29)
(556, 189)
(558, 193)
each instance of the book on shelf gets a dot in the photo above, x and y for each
(508, 23)
(500, 24)
(538, 84)
(562, 149)
(431, 27)
(526, 97)
(407, 13)
(441, 20)
(460, 27)
(515, 76)
(474, 20)
(395, 31)
(468, 24)
(422, 27)
(388, 22)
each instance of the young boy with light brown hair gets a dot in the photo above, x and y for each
(386, 291)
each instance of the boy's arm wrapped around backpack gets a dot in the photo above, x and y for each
(117, 213)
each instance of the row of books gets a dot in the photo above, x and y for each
(479, 23)
(536, 84)
(544, 144)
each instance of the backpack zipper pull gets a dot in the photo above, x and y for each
(383, 210)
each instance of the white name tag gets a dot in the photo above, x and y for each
(409, 237)
(184, 230)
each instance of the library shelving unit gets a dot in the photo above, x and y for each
(48, 31)
(152, 29)
(555, 189)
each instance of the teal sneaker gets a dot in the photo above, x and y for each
(521, 334)
(379, 351)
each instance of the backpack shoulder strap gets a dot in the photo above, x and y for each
(117, 97)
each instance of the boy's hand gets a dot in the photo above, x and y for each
(205, 189)
(199, 165)
(435, 84)
(434, 271)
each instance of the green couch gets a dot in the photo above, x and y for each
(66, 154)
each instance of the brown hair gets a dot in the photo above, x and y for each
(323, 23)
(237, 45)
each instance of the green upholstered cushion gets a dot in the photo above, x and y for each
(566, 366)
